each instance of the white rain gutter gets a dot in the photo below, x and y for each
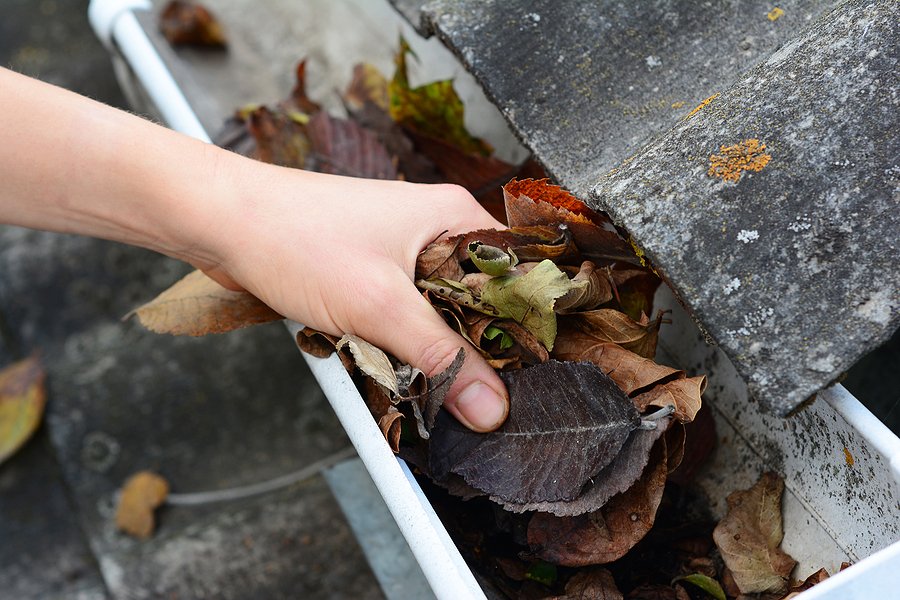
(115, 24)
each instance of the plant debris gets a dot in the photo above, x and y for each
(187, 23)
(141, 495)
(22, 401)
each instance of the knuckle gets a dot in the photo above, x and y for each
(437, 355)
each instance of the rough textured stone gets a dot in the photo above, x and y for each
(586, 84)
(793, 270)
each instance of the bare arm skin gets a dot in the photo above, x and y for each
(335, 253)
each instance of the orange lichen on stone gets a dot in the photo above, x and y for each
(775, 14)
(678, 104)
(748, 155)
(701, 105)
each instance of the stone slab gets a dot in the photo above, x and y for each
(586, 84)
(793, 270)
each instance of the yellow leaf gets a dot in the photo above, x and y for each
(22, 400)
(141, 494)
(197, 305)
(433, 109)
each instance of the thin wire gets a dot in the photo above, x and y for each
(237, 493)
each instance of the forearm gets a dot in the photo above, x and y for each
(73, 165)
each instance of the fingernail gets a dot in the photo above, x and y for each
(482, 407)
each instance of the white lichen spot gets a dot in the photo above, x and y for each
(731, 286)
(747, 236)
(534, 17)
(825, 364)
(800, 224)
(653, 62)
(877, 308)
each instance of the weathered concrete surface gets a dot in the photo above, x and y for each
(43, 553)
(586, 84)
(794, 269)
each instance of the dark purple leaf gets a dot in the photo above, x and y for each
(567, 421)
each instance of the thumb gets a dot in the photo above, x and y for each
(419, 337)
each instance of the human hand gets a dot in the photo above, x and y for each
(338, 254)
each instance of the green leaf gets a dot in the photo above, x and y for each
(491, 333)
(707, 584)
(528, 299)
(433, 109)
(491, 259)
(542, 572)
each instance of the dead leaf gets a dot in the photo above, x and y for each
(298, 101)
(635, 374)
(699, 442)
(141, 495)
(605, 325)
(314, 342)
(814, 579)
(197, 305)
(567, 421)
(749, 536)
(342, 147)
(367, 85)
(190, 23)
(614, 479)
(593, 289)
(595, 584)
(371, 360)
(529, 299)
(389, 424)
(280, 137)
(531, 202)
(603, 536)
(433, 109)
(22, 401)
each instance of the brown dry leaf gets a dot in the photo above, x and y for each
(141, 495)
(530, 202)
(197, 305)
(342, 147)
(594, 291)
(280, 137)
(594, 584)
(749, 536)
(683, 394)
(190, 23)
(814, 579)
(634, 374)
(22, 401)
(368, 85)
(371, 360)
(603, 536)
(314, 342)
(389, 424)
(588, 328)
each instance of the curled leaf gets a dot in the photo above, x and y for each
(197, 305)
(705, 583)
(141, 495)
(315, 342)
(592, 288)
(371, 360)
(578, 332)
(22, 401)
(749, 537)
(490, 259)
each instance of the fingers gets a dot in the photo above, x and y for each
(412, 331)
